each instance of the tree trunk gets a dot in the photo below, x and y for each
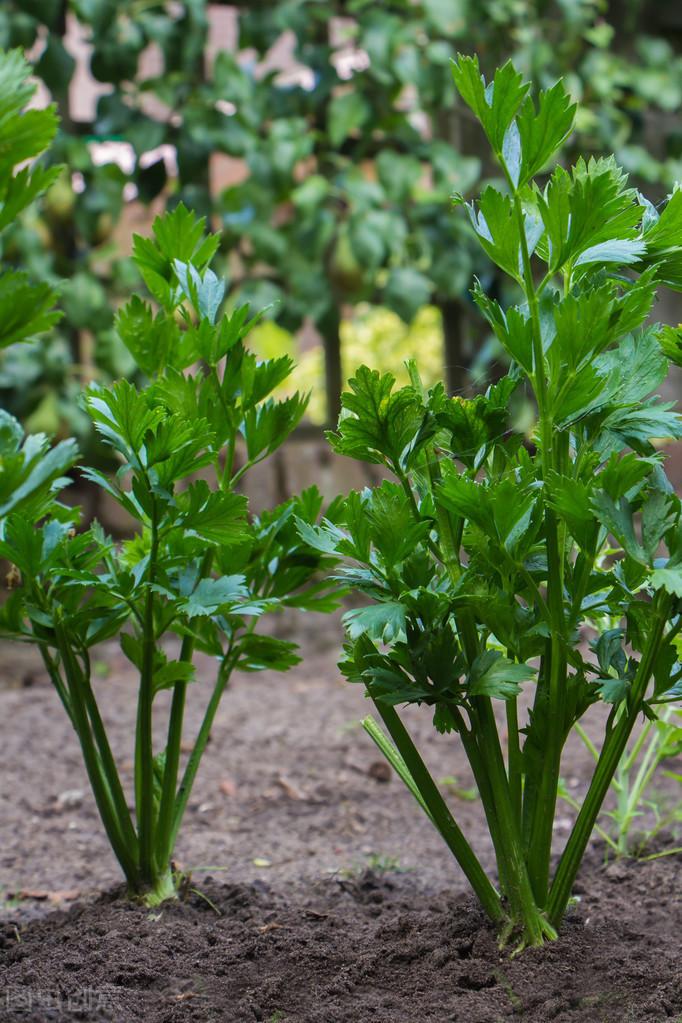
(455, 358)
(329, 328)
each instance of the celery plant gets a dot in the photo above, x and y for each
(489, 555)
(198, 568)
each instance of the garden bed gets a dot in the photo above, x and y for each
(320, 895)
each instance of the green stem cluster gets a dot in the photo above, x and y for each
(145, 853)
(519, 794)
(528, 905)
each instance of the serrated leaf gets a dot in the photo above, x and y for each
(171, 673)
(624, 252)
(465, 498)
(212, 345)
(495, 104)
(28, 480)
(513, 330)
(176, 448)
(609, 651)
(25, 135)
(624, 475)
(22, 189)
(266, 376)
(614, 690)
(26, 308)
(542, 132)
(495, 223)
(634, 368)
(151, 340)
(617, 516)
(586, 207)
(666, 229)
(577, 394)
(213, 595)
(205, 292)
(384, 623)
(513, 509)
(492, 674)
(16, 87)
(377, 423)
(633, 306)
(324, 538)
(123, 417)
(214, 516)
(11, 434)
(660, 512)
(638, 427)
(670, 340)
(668, 579)
(268, 425)
(122, 497)
(178, 235)
(261, 653)
(583, 325)
(391, 521)
(474, 424)
(22, 546)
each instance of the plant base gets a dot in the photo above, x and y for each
(163, 889)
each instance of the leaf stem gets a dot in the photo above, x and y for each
(545, 795)
(396, 761)
(164, 849)
(612, 751)
(93, 765)
(109, 765)
(514, 758)
(517, 882)
(144, 751)
(57, 682)
(438, 810)
(192, 766)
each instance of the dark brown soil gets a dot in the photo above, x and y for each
(373, 948)
(289, 811)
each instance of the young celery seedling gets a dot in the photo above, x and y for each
(634, 788)
(487, 559)
(198, 568)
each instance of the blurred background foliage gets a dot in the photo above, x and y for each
(324, 140)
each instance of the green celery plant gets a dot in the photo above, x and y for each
(197, 568)
(489, 556)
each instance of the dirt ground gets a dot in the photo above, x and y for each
(319, 894)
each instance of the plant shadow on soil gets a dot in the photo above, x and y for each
(290, 799)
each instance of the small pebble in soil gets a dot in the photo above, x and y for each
(380, 771)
